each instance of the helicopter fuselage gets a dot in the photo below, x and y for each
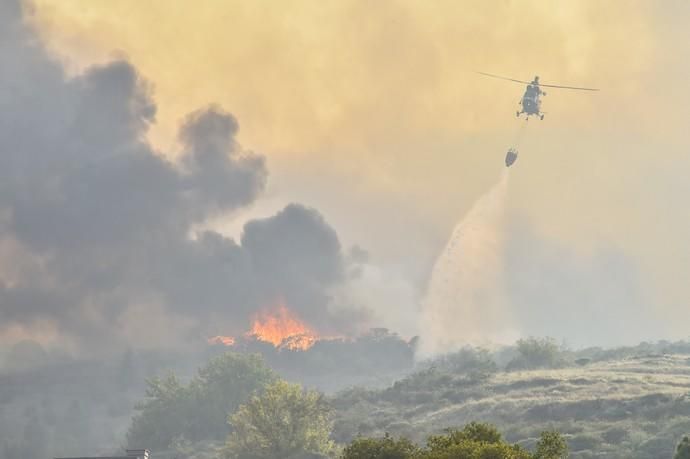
(531, 102)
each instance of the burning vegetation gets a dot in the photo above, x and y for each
(224, 340)
(278, 326)
(282, 328)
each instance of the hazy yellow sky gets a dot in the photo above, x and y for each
(371, 111)
(306, 75)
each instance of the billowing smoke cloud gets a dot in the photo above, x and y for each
(99, 225)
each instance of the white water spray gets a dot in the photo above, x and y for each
(465, 302)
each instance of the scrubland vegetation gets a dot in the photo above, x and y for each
(620, 403)
(628, 402)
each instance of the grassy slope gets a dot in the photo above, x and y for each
(636, 407)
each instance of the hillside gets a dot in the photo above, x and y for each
(635, 406)
(614, 403)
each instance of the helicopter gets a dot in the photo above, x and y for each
(531, 102)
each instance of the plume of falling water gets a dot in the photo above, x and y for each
(465, 303)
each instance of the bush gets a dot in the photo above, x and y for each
(551, 445)
(474, 441)
(380, 448)
(536, 353)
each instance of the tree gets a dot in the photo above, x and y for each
(467, 449)
(683, 449)
(474, 441)
(225, 383)
(163, 415)
(284, 422)
(551, 445)
(197, 411)
(380, 448)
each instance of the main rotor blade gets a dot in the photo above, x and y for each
(529, 82)
(503, 78)
(568, 87)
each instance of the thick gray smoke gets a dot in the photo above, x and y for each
(99, 226)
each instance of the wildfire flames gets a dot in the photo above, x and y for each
(277, 326)
(224, 340)
(282, 329)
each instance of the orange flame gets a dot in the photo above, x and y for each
(282, 329)
(224, 340)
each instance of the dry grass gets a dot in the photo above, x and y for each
(633, 407)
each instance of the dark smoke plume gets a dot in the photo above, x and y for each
(96, 226)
